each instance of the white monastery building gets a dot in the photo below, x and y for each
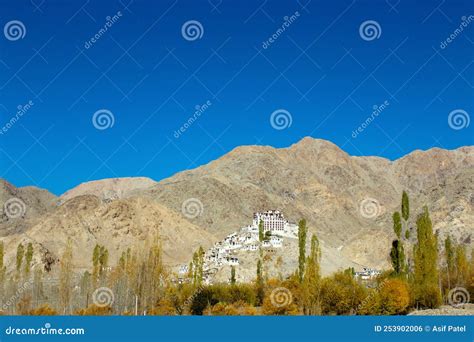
(225, 252)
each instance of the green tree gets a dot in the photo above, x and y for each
(302, 232)
(154, 276)
(259, 284)
(232, 275)
(95, 265)
(198, 266)
(194, 266)
(201, 300)
(20, 252)
(397, 224)
(103, 260)
(425, 278)
(450, 253)
(311, 285)
(397, 256)
(405, 206)
(407, 234)
(261, 235)
(461, 266)
(28, 258)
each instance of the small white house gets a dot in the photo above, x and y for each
(251, 248)
(183, 269)
(367, 273)
(276, 241)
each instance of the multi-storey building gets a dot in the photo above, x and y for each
(274, 222)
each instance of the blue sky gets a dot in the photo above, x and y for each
(319, 71)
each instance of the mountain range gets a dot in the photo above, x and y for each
(347, 201)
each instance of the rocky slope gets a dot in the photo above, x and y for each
(87, 220)
(109, 189)
(347, 201)
(22, 207)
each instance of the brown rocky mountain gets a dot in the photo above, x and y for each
(14, 216)
(109, 189)
(347, 201)
(118, 224)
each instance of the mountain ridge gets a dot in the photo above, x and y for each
(312, 179)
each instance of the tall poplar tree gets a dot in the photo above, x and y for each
(95, 265)
(397, 224)
(198, 266)
(449, 253)
(232, 275)
(259, 284)
(405, 206)
(302, 232)
(103, 261)
(397, 256)
(28, 258)
(65, 278)
(461, 266)
(311, 285)
(261, 235)
(426, 290)
(20, 252)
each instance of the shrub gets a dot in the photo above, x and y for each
(341, 294)
(237, 308)
(394, 297)
(164, 307)
(94, 310)
(43, 310)
(201, 300)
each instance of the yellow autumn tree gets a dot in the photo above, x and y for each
(393, 297)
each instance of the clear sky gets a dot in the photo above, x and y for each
(153, 62)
